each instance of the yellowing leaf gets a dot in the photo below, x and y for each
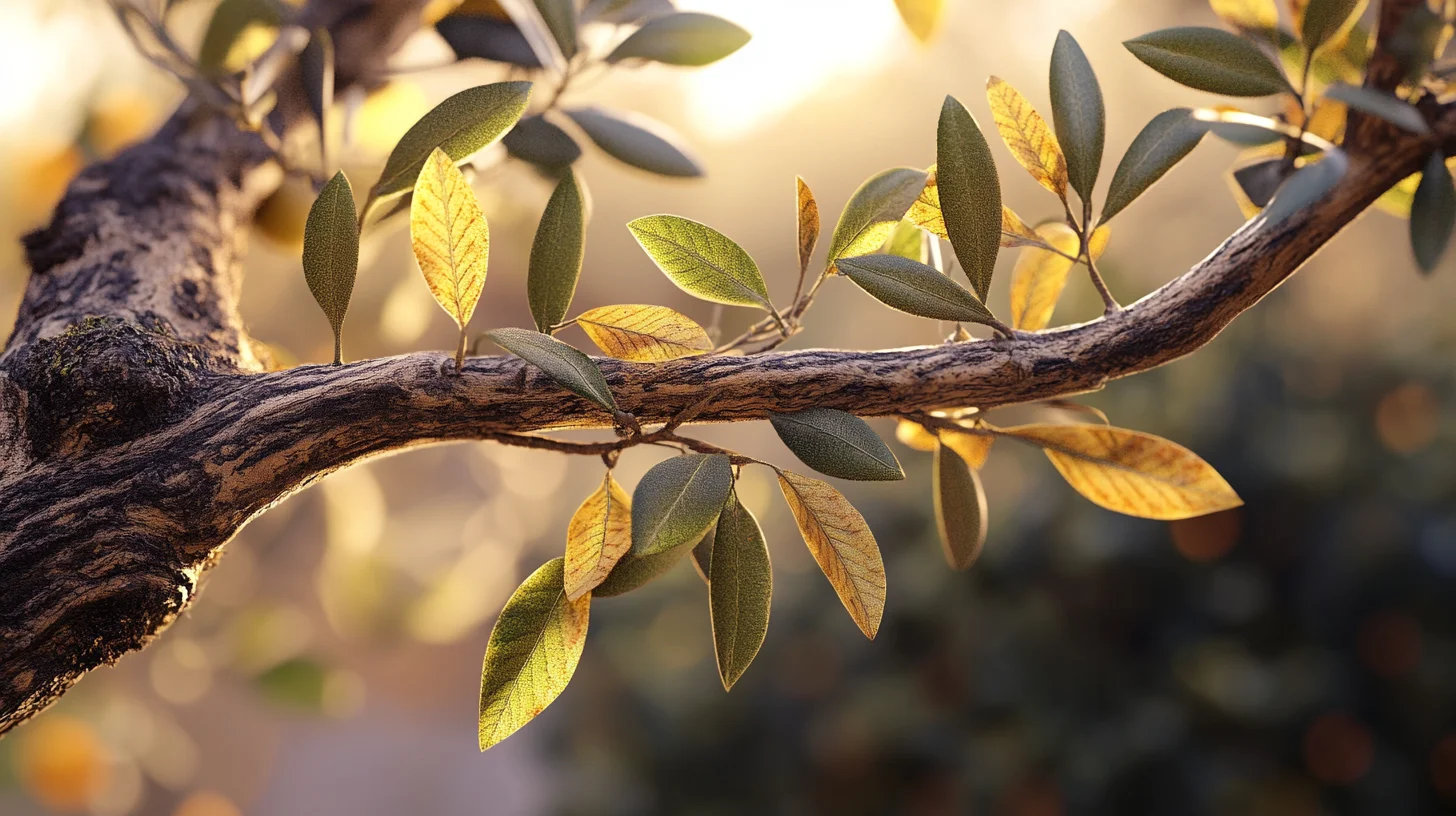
(450, 237)
(960, 509)
(843, 546)
(808, 215)
(1014, 231)
(921, 17)
(644, 334)
(533, 651)
(1130, 472)
(1041, 275)
(925, 211)
(1247, 15)
(915, 436)
(973, 448)
(1027, 136)
(599, 534)
(873, 211)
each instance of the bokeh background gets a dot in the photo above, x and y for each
(1295, 657)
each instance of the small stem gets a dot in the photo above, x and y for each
(563, 325)
(338, 348)
(460, 352)
(1109, 302)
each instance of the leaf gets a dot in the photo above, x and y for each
(1378, 103)
(1326, 21)
(1014, 231)
(229, 21)
(807, 211)
(637, 140)
(480, 37)
(1307, 186)
(1164, 142)
(533, 651)
(599, 534)
(459, 126)
(450, 237)
(686, 38)
(703, 555)
(703, 262)
(740, 588)
(1260, 181)
(1433, 213)
(972, 448)
(907, 241)
(1248, 15)
(557, 253)
(1078, 113)
(677, 500)
(873, 211)
(925, 211)
(1210, 59)
(970, 193)
(915, 436)
(634, 571)
(566, 366)
(331, 253)
(843, 546)
(644, 334)
(915, 288)
(837, 444)
(921, 17)
(1027, 136)
(541, 142)
(960, 509)
(1130, 472)
(1041, 275)
(620, 12)
(560, 19)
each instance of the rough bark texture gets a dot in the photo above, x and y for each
(139, 430)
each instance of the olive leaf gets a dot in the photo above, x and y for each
(837, 444)
(1014, 231)
(481, 37)
(740, 589)
(1249, 16)
(1077, 113)
(960, 509)
(908, 241)
(703, 262)
(1040, 276)
(873, 211)
(541, 142)
(637, 140)
(1307, 186)
(842, 545)
(229, 20)
(685, 38)
(621, 12)
(451, 240)
(703, 555)
(633, 571)
(566, 366)
(916, 436)
(331, 253)
(1210, 59)
(1325, 21)
(598, 535)
(533, 651)
(459, 126)
(676, 502)
(1381, 104)
(644, 334)
(1027, 136)
(922, 18)
(972, 448)
(1433, 213)
(915, 288)
(1161, 144)
(560, 19)
(807, 213)
(557, 253)
(970, 193)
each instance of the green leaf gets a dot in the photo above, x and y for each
(1307, 186)
(1261, 180)
(914, 288)
(1380, 104)
(740, 588)
(1325, 20)
(331, 253)
(907, 241)
(873, 211)
(1078, 113)
(685, 38)
(702, 261)
(1210, 59)
(460, 126)
(1163, 143)
(532, 653)
(560, 19)
(677, 500)
(621, 12)
(541, 142)
(1433, 213)
(970, 193)
(637, 140)
(837, 444)
(960, 509)
(568, 367)
(229, 20)
(703, 555)
(634, 570)
(557, 253)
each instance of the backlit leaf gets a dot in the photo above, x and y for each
(873, 211)
(915, 436)
(677, 500)
(1041, 275)
(637, 140)
(1077, 113)
(807, 213)
(960, 509)
(1130, 472)
(1312, 183)
(1164, 142)
(837, 444)
(644, 334)
(459, 126)
(914, 288)
(970, 193)
(703, 555)
(703, 262)
(921, 17)
(566, 366)
(841, 544)
(229, 21)
(925, 211)
(557, 253)
(1210, 59)
(450, 237)
(560, 19)
(1248, 15)
(599, 534)
(634, 571)
(1387, 106)
(907, 241)
(740, 588)
(331, 253)
(1027, 136)
(684, 38)
(1014, 231)
(533, 651)
(1326, 21)
(972, 448)
(1433, 213)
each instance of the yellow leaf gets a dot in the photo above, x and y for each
(915, 436)
(1014, 231)
(1041, 275)
(1130, 472)
(1248, 15)
(1027, 136)
(450, 236)
(599, 534)
(922, 17)
(808, 215)
(971, 447)
(842, 544)
(644, 334)
(925, 212)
